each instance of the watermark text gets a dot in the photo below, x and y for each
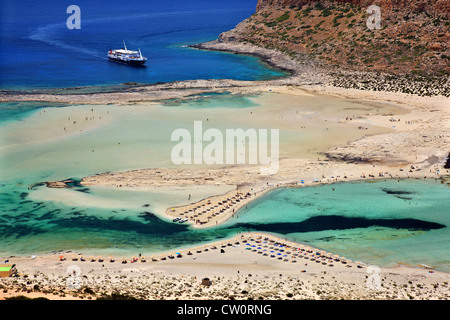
(236, 146)
(74, 20)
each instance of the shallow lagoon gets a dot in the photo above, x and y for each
(382, 222)
(372, 225)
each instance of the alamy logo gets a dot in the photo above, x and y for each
(374, 20)
(74, 279)
(226, 149)
(73, 21)
(374, 280)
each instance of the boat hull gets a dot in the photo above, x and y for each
(129, 62)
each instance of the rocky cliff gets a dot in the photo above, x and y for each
(412, 39)
(441, 7)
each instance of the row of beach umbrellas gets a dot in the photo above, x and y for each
(264, 245)
(212, 208)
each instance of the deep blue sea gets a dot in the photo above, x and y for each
(38, 50)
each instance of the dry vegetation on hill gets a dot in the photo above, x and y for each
(412, 43)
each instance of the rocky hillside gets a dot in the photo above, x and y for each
(413, 39)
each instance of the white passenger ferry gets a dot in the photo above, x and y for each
(127, 56)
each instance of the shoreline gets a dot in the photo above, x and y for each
(263, 260)
(306, 73)
(407, 146)
(259, 193)
(270, 57)
(219, 208)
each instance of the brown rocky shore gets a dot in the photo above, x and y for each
(407, 52)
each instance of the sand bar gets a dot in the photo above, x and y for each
(249, 266)
(414, 144)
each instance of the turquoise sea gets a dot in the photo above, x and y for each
(383, 222)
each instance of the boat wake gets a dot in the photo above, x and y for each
(55, 34)
(51, 34)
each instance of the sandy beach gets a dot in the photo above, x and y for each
(249, 266)
(415, 148)
(409, 141)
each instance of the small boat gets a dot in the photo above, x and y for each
(127, 56)
(183, 220)
(176, 219)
